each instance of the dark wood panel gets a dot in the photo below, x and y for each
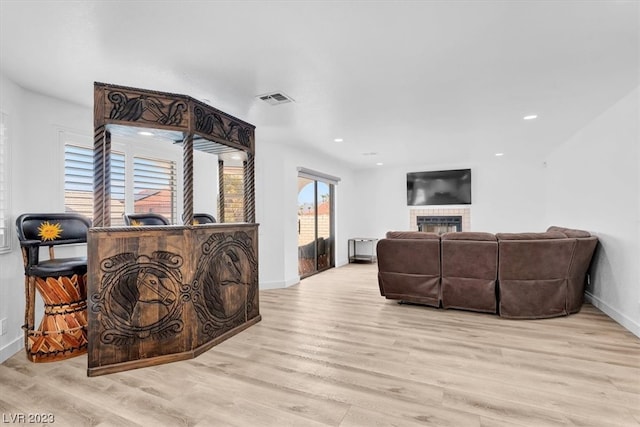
(148, 108)
(218, 126)
(125, 105)
(158, 293)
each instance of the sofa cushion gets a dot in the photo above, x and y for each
(414, 288)
(469, 235)
(412, 235)
(469, 271)
(410, 256)
(470, 259)
(570, 232)
(532, 276)
(533, 299)
(409, 269)
(531, 236)
(538, 259)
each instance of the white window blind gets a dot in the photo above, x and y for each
(118, 180)
(154, 187)
(5, 236)
(78, 182)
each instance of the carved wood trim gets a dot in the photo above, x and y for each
(122, 105)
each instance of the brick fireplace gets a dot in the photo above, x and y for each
(460, 219)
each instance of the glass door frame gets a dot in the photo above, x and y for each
(330, 249)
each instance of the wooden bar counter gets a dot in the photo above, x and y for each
(158, 294)
(164, 293)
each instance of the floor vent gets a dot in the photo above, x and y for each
(275, 98)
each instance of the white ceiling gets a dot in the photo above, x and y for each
(433, 81)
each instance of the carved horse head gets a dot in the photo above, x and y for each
(228, 268)
(151, 290)
(141, 287)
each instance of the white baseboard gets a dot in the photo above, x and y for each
(12, 348)
(276, 284)
(621, 318)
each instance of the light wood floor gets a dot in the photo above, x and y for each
(333, 352)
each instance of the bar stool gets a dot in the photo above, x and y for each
(141, 219)
(203, 218)
(61, 283)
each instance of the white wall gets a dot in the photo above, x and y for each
(269, 193)
(36, 185)
(593, 183)
(507, 195)
(205, 183)
(11, 271)
(277, 208)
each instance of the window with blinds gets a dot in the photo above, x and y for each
(118, 194)
(5, 237)
(154, 187)
(78, 182)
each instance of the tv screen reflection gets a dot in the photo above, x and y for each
(452, 187)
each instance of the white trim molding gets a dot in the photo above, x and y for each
(622, 319)
(279, 284)
(11, 348)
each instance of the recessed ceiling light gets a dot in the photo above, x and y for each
(531, 117)
(145, 133)
(338, 140)
(499, 154)
(379, 164)
(235, 157)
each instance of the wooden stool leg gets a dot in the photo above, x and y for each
(29, 309)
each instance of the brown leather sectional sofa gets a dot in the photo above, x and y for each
(517, 275)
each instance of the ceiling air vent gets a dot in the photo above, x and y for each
(275, 98)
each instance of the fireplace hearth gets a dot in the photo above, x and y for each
(439, 224)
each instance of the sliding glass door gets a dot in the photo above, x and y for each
(315, 226)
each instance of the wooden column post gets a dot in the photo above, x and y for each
(249, 190)
(187, 165)
(102, 177)
(220, 190)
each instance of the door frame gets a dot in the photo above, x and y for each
(331, 249)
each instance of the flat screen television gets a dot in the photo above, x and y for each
(452, 187)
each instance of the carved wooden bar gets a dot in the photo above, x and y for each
(164, 293)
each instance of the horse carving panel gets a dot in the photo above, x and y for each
(225, 282)
(140, 297)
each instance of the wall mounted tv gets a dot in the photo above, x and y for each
(452, 187)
